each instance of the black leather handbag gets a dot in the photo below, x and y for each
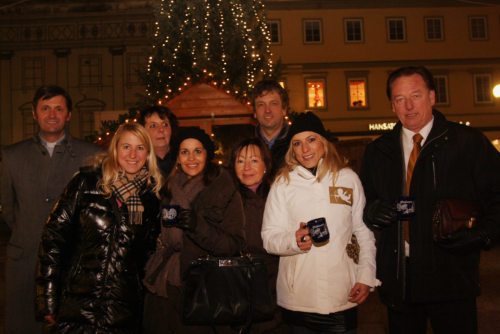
(226, 291)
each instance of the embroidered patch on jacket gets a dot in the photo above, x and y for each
(341, 195)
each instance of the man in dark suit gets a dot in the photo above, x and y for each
(34, 174)
(427, 158)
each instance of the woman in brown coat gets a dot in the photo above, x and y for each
(210, 222)
(251, 164)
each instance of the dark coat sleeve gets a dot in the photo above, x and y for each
(219, 219)
(375, 185)
(487, 180)
(365, 175)
(7, 194)
(55, 248)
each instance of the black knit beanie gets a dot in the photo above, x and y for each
(198, 134)
(307, 121)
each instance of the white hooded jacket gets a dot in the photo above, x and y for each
(318, 281)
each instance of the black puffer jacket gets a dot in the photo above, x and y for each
(91, 260)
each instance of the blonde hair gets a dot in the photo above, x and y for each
(332, 161)
(111, 170)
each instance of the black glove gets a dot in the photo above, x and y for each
(466, 240)
(186, 220)
(380, 214)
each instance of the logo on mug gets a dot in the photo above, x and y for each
(405, 207)
(318, 230)
(169, 214)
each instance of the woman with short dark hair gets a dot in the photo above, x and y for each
(251, 165)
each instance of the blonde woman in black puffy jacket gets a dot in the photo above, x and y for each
(97, 238)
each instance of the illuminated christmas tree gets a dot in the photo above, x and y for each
(220, 42)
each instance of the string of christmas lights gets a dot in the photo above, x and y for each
(225, 43)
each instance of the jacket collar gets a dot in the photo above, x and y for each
(439, 128)
(306, 173)
(64, 141)
(281, 137)
(64, 145)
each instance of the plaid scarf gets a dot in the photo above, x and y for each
(128, 192)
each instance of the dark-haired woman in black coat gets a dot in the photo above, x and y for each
(211, 223)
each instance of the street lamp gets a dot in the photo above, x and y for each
(496, 91)
(496, 94)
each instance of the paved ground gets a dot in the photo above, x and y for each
(372, 317)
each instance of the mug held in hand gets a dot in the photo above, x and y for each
(170, 215)
(405, 207)
(318, 230)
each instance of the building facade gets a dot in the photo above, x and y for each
(94, 49)
(335, 57)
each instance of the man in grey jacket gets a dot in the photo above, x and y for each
(34, 174)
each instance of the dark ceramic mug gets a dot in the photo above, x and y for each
(405, 207)
(170, 215)
(318, 230)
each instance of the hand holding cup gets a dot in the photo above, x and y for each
(303, 238)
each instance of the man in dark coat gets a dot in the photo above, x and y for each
(34, 173)
(423, 279)
(270, 105)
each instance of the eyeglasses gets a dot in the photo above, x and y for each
(157, 126)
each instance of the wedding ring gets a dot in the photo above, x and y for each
(303, 239)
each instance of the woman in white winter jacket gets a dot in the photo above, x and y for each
(319, 284)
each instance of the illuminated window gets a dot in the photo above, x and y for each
(357, 93)
(312, 31)
(478, 28)
(396, 31)
(316, 93)
(482, 88)
(434, 28)
(274, 27)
